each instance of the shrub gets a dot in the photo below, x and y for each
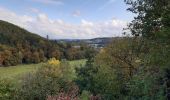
(85, 95)
(53, 61)
(6, 89)
(71, 93)
(49, 80)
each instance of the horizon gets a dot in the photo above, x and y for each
(74, 19)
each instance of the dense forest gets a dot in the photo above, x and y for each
(131, 68)
(18, 46)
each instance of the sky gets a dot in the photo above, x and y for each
(68, 19)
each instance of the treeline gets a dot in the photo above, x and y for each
(19, 46)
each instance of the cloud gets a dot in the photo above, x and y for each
(86, 23)
(51, 2)
(59, 29)
(76, 13)
(12, 17)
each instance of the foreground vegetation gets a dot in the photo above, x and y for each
(14, 77)
(16, 72)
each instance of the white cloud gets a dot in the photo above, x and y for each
(57, 29)
(10, 16)
(86, 23)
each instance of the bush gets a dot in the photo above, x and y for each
(146, 86)
(85, 95)
(53, 61)
(6, 90)
(49, 80)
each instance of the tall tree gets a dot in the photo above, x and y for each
(152, 24)
(152, 17)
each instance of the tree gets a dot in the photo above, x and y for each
(85, 73)
(41, 55)
(1, 59)
(27, 57)
(152, 17)
(116, 64)
(35, 57)
(152, 24)
(57, 54)
(6, 56)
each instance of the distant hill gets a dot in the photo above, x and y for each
(13, 35)
(95, 42)
(18, 46)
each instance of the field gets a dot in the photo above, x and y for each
(16, 72)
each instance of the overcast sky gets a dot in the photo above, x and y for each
(68, 19)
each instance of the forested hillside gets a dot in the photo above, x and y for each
(13, 35)
(18, 46)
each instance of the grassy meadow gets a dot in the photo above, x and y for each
(16, 72)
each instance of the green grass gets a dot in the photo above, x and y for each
(16, 72)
